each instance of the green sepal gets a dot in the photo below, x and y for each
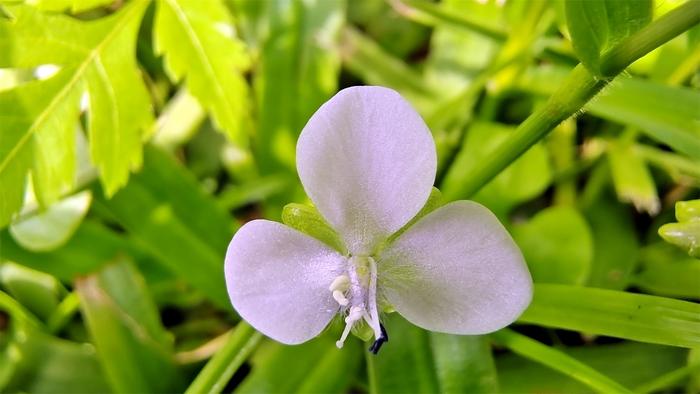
(308, 220)
(686, 233)
(362, 330)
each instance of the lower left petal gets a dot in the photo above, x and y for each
(278, 280)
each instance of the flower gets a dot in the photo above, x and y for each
(367, 161)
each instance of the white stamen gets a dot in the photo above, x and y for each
(361, 283)
(340, 297)
(342, 283)
(354, 315)
(372, 301)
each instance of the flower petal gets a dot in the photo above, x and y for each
(456, 271)
(367, 161)
(278, 279)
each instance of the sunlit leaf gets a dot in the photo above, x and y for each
(596, 26)
(96, 57)
(200, 47)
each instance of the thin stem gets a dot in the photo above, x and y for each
(215, 375)
(371, 373)
(650, 37)
(575, 92)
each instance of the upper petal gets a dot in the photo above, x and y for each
(367, 161)
(456, 271)
(278, 279)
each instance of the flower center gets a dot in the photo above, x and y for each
(356, 292)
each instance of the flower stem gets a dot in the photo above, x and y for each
(575, 92)
(371, 373)
(215, 375)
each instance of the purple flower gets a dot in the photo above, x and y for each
(367, 161)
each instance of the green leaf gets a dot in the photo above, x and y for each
(91, 245)
(632, 179)
(39, 363)
(686, 233)
(199, 46)
(667, 271)
(557, 244)
(405, 364)
(308, 220)
(298, 71)
(524, 179)
(463, 363)
(629, 363)
(39, 117)
(133, 347)
(75, 6)
(557, 360)
(278, 368)
(597, 26)
(615, 244)
(177, 223)
(666, 114)
(38, 292)
(619, 314)
(45, 230)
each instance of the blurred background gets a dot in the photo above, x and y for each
(137, 136)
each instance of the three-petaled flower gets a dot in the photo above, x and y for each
(368, 161)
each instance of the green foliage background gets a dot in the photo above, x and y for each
(136, 136)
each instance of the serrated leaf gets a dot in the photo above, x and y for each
(596, 26)
(74, 6)
(199, 45)
(96, 57)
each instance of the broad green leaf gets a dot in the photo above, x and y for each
(96, 57)
(668, 271)
(629, 363)
(298, 71)
(557, 360)
(557, 244)
(615, 244)
(308, 220)
(524, 179)
(45, 230)
(596, 26)
(39, 363)
(134, 349)
(177, 223)
(632, 179)
(686, 233)
(404, 364)
(619, 314)
(200, 47)
(667, 114)
(38, 292)
(463, 363)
